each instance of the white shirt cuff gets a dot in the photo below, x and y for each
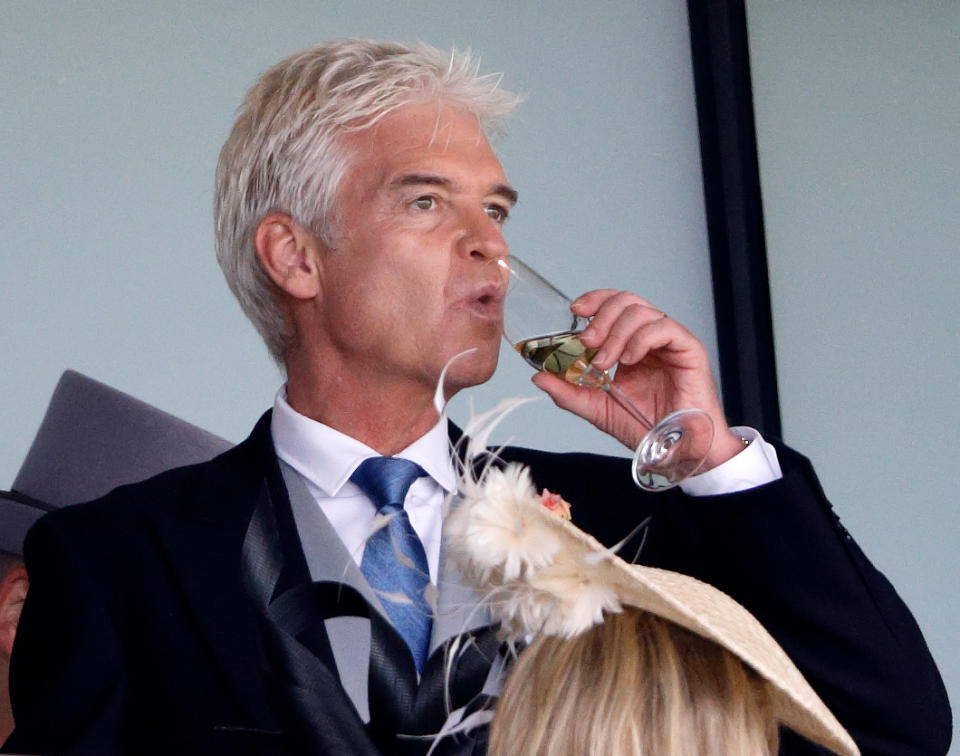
(756, 465)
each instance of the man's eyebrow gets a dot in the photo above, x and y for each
(416, 179)
(507, 192)
(419, 179)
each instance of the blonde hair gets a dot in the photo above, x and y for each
(634, 685)
(284, 152)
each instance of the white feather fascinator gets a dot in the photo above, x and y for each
(541, 574)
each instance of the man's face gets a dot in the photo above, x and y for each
(410, 282)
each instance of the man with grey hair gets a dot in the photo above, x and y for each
(291, 595)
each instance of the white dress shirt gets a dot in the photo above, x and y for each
(326, 458)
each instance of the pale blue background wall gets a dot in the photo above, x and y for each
(858, 120)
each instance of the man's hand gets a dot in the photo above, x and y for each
(662, 368)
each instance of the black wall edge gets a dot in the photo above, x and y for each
(731, 179)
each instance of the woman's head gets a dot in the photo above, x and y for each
(635, 684)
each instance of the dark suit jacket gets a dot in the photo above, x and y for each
(138, 635)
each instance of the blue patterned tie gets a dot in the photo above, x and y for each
(394, 562)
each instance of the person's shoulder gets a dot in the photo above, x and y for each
(569, 463)
(584, 475)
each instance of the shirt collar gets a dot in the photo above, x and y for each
(327, 458)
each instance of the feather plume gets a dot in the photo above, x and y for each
(506, 544)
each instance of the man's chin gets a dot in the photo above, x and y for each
(470, 369)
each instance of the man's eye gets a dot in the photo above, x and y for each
(497, 212)
(425, 203)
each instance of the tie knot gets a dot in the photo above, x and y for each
(386, 480)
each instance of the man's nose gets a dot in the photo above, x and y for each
(482, 238)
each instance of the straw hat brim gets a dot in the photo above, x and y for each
(712, 614)
(684, 600)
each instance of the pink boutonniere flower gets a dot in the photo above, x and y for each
(555, 503)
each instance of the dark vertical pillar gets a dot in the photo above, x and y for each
(731, 179)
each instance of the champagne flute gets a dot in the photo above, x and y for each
(539, 324)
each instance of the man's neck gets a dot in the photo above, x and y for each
(387, 419)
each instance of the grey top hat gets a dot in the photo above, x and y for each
(92, 439)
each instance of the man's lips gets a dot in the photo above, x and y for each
(485, 301)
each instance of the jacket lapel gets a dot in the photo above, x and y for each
(203, 537)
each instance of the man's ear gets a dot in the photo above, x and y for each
(13, 592)
(289, 254)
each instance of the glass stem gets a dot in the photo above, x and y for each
(599, 378)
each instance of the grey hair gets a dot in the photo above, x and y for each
(284, 153)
